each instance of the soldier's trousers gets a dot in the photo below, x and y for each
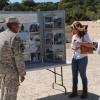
(9, 87)
(0, 82)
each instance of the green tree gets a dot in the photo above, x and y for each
(18, 7)
(3, 3)
(13, 7)
(29, 3)
(47, 6)
(74, 9)
(80, 9)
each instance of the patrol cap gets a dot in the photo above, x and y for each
(11, 20)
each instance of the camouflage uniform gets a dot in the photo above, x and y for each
(0, 81)
(11, 67)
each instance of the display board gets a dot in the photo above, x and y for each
(43, 37)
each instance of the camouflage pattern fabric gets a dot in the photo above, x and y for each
(11, 67)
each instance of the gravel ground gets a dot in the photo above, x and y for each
(38, 84)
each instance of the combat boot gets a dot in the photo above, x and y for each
(85, 92)
(74, 92)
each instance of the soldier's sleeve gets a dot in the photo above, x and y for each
(6, 53)
(18, 55)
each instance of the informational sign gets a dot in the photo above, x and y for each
(43, 37)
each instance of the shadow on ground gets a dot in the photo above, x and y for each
(65, 97)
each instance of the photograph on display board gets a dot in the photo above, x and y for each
(2, 26)
(34, 51)
(22, 28)
(48, 19)
(35, 42)
(49, 38)
(35, 47)
(49, 25)
(54, 38)
(57, 22)
(59, 54)
(54, 53)
(32, 45)
(59, 38)
(53, 22)
(34, 27)
(49, 54)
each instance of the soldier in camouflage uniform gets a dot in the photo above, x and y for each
(12, 67)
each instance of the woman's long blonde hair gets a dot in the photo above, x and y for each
(80, 28)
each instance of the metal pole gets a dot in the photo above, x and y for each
(55, 75)
(62, 76)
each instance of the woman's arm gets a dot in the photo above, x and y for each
(74, 44)
(86, 41)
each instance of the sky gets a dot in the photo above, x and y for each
(36, 1)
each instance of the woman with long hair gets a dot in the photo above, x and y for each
(79, 61)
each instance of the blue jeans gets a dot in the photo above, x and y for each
(79, 65)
